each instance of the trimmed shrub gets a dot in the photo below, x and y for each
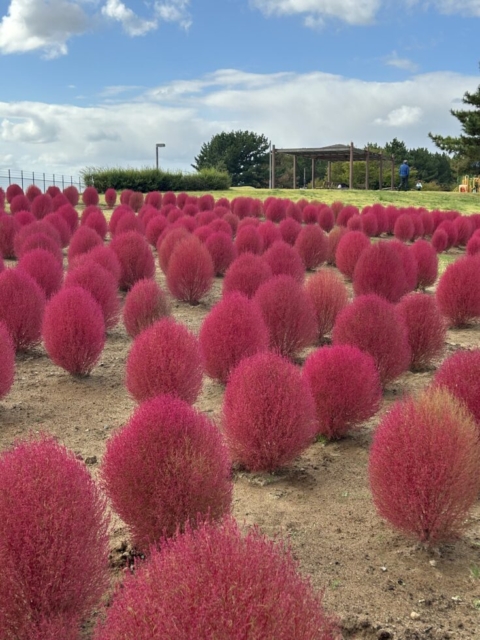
(24, 218)
(166, 468)
(22, 304)
(326, 218)
(269, 233)
(256, 591)
(312, 246)
(329, 296)
(2, 198)
(232, 220)
(110, 198)
(205, 217)
(61, 226)
(221, 225)
(90, 196)
(289, 230)
(427, 222)
(136, 201)
(369, 224)
(70, 215)
(125, 196)
(288, 314)
(427, 263)
(425, 327)
(294, 211)
(32, 192)
(101, 284)
(404, 228)
(372, 324)
(460, 376)
(145, 303)
(355, 223)
(458, 291)
(440, 240)
(451, 230)
(48, 588)
(83, 240)
(206, 202)
(59, 200)
(128, 222)
(41, 206)
(424, 465)
(166, 245)
(268, 413)
(165, 359)
(12, 191)
(473, 245)
(103, 256)
(350, 248)
(276, 210)
(74, 330)
(334, 238)
(248, 239)
(19, 203)
(310, 214)
(241, 207)
(97, 221)
(116, 216)
(464, 228)
(154, 199)
(7, 360)
(53, 191)
(246, 274)
(203, 233)
(72, 195)
(285, 260)
(135, 257)
(380, 270)
(408, 261)
(44, 268)
(190, 271)
(345, 386)
(345, 214)
(9, 226)
(169, 198)
(234, 329)
(41, 241)
(222, 251)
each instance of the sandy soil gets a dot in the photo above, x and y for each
(380, 584)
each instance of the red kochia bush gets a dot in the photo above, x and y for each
(268, 412)
(269, 233)
(47, 587)
(234, 329)
(190, 271)
(380, 270)
(145, 303)
(9, 226)
(350, 248)
(32, 192)
(154, 229)
(255, 591)
(90, 196)
(7, 360)
(19, 203)
(222, 251)
(248, 239)
(166, 245)
(166, 468)
(154, 199)
(165, 358)
(424, 467)
(372, 324)
(136, 200)
(70, 215)
(110, 197)
(334, 237)
(458, 291)
(53, 191)
(61, 226)
(310, 214)
(404, 228)
(74, 330)
(427, 263)
(326, 218)
(105, 257)
(83, 240)
(22, 304)
(72, 195)
(425, 326)
(409, 263)
(289, 230)
(12, 191)
(460, 376)
(276, 210)
(41, 206)
(473, 245)
(312, 246)
(285, 260)
(345, 386)
(135, 257)
(44, 268)
(128, 222)
(246, 274)
(288, 313)
(329, 296)
(440, 240)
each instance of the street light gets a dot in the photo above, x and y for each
(159, 144)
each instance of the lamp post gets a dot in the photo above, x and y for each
(159, 144)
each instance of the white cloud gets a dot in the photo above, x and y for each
(469, 8)
(292, 110)
(174, 11)
(45, 25)
(354, 12)
(132, 24)
(393, 60)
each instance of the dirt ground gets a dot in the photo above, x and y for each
(380, 584)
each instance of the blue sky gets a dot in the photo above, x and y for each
(99, 82)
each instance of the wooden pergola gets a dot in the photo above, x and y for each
(333, 153)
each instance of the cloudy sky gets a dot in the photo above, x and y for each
(100, 82)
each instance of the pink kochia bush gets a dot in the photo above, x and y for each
(167, 467)
(246, 274)
(458, 291)
(22, 304)
(424, 467)
(427, 263)
(42, 266)
(234, 329)
(380, 270)
(268, 413)
(74, 330)
(426, 328)
(83, 240)
(8, 228)
(135, 257)
(345, 386)
(460, 375)
(217, 582)
(110, 197)
(349, 249)
(165, 358)
(222, 251)
(373, 324)
(312, 246)
(47, 586)
(329, 296)
(288, 314)
(145, 303)
(190, 271)
(90, 196)
(285, 260)
(7, 361)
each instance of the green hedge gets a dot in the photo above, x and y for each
(147, 179)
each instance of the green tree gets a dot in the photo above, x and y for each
(243, 154)
(466, 147)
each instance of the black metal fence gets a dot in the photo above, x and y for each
(41, 180)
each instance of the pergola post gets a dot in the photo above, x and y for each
(367, 164)
(313, 173)
(393, 173)
(329, 173)
(380, 173)
(350, 177)
(273, 166)
(294, 172)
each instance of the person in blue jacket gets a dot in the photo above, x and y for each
(404, 173)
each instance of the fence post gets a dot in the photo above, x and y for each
(21, 177)
(53, 179)
(9, 178)
(44, 189)
(33, 177)
(63, 184)
(71, 181)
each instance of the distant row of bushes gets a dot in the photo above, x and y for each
(148, 179)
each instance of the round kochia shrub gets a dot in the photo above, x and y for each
(83, 240)
(167, 467)
(458, 291)
(165, 358)
(372, 324)
(427, 263)
(44, 268)
(345, 386)
(285, 260)
(350, 248)
(246, 274)
(90, 196)
(166, 245)
(288, 314)
(190, 271)
(104, 256)
(7, 361)
(110, 197)
(234, 329)
(47, 587)
(72, 195)
(424, 466)
(145, 303)
(74, 330)
(41, 206)
(22, 304)
(268, 413)
(8, 228)
(334, 237)
(248, 239)
(460, 376)
(221, 250)
(135, 257)
(312, 246)
(288, 230)
(426, 328)
(329, 296)
(216, 582)
(380, 270)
